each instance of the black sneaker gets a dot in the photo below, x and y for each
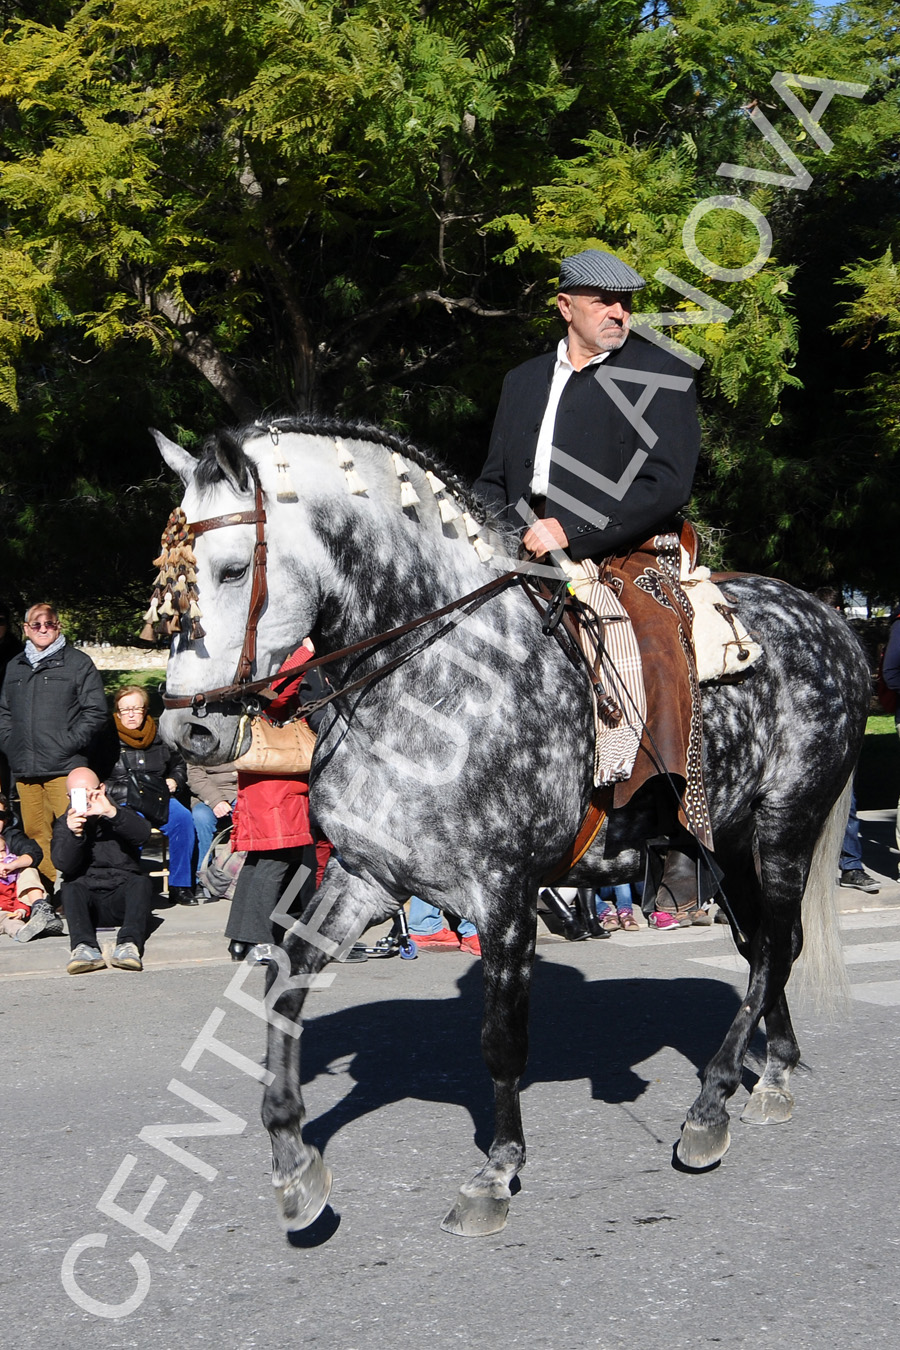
(859, 880)
(44, 919)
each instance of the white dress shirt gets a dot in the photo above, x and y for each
(540, 479)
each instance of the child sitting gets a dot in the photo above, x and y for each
(24, 908)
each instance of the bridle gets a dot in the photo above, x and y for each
(243, 689)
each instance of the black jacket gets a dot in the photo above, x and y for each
(17, 842)
(592, 430)
(106, 854)
(51, 715)
(158, 762)
(890, 669)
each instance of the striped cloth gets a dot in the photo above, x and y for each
(620, 672)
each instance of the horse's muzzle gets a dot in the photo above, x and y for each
(202, 740)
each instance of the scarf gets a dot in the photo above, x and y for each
(33, 656)
(138, 739)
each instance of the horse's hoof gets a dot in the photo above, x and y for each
(768, 1106)
(477, 1215)
(701, 1146)
(303, 1196)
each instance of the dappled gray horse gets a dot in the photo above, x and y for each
(462, 774)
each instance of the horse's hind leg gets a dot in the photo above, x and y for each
(772, 947)
(333, 919)
(771, 1101)
(507, 952)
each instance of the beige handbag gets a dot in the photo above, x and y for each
(278, 750)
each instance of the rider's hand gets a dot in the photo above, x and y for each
(544, 536)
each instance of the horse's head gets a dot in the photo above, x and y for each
(224, 482)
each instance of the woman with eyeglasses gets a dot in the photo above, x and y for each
(146, 777)
(52, 713)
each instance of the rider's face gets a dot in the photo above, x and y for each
(598, 321)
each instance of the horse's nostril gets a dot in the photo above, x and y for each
(199, 739)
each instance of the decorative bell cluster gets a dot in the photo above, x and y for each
(173, 605)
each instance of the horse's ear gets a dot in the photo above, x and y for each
(178, 460)
(232, 461)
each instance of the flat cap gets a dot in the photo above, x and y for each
(591, 267)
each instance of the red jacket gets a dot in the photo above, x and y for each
(271, 811)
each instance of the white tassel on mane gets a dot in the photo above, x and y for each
(345, 462)
(408, 494)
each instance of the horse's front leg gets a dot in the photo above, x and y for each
(335, 917)
(507, 953)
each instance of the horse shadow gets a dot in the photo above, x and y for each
(429, 1049)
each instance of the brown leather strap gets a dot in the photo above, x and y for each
(236, 518)
(231, 691)
(258, 593)
(598, 809)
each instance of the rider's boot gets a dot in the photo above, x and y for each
(677, 893)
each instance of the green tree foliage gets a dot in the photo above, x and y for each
(216, 207)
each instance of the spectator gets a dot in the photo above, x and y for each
(214, 791)
(24, 911)
(10, 646)
(272, 825)
(52, 711)
(890, 672)
(428, 929)
(97, 844)
(146, 766)
(853, 874)
(619, 913)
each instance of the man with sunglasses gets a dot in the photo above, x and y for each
(52, 710)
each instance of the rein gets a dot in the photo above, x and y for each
(242, 685)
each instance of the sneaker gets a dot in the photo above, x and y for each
(44, 919)
(661, 918)
(127, 957)
(444, 937)
(700, 917)
(83, 958)
(470, 944)
(859, 880)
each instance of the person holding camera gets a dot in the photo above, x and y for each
(97, 846)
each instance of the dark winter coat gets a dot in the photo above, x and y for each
(890, 669)
(17, 842)
(51, 715)
(106, 854)
(592, 430)
(158, 762)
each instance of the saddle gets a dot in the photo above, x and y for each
(656, 597)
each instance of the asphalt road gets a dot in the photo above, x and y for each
(792, 1241)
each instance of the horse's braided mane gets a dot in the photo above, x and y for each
(209, 471)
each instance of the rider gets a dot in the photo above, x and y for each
(596, 444)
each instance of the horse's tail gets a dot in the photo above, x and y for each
(822, 974)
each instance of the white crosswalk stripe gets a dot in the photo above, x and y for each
(885, 993)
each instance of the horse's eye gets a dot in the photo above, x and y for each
(231, 574)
